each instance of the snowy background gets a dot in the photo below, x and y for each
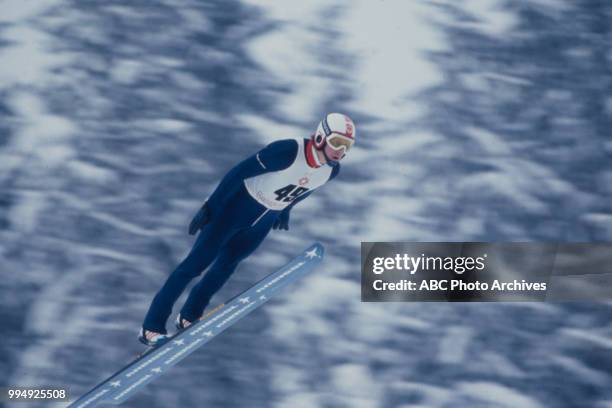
(477, 120)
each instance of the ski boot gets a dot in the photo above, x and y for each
(182, 324)
(151, 338)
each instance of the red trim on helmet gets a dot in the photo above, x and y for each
(310, 159)
(349, 135)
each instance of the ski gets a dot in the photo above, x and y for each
(156, 361)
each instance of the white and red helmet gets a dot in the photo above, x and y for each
(336, 131)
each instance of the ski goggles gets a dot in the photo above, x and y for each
(338, 142)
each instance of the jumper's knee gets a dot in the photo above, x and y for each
(189, 268)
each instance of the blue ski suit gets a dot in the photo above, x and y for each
(238, 224)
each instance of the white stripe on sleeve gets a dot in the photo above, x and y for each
(260, 162)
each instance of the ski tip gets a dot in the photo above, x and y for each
(316, 249)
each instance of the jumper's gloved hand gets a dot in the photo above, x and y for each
(282, 222)
(200, 219)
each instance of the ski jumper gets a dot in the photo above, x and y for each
(243, 208)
